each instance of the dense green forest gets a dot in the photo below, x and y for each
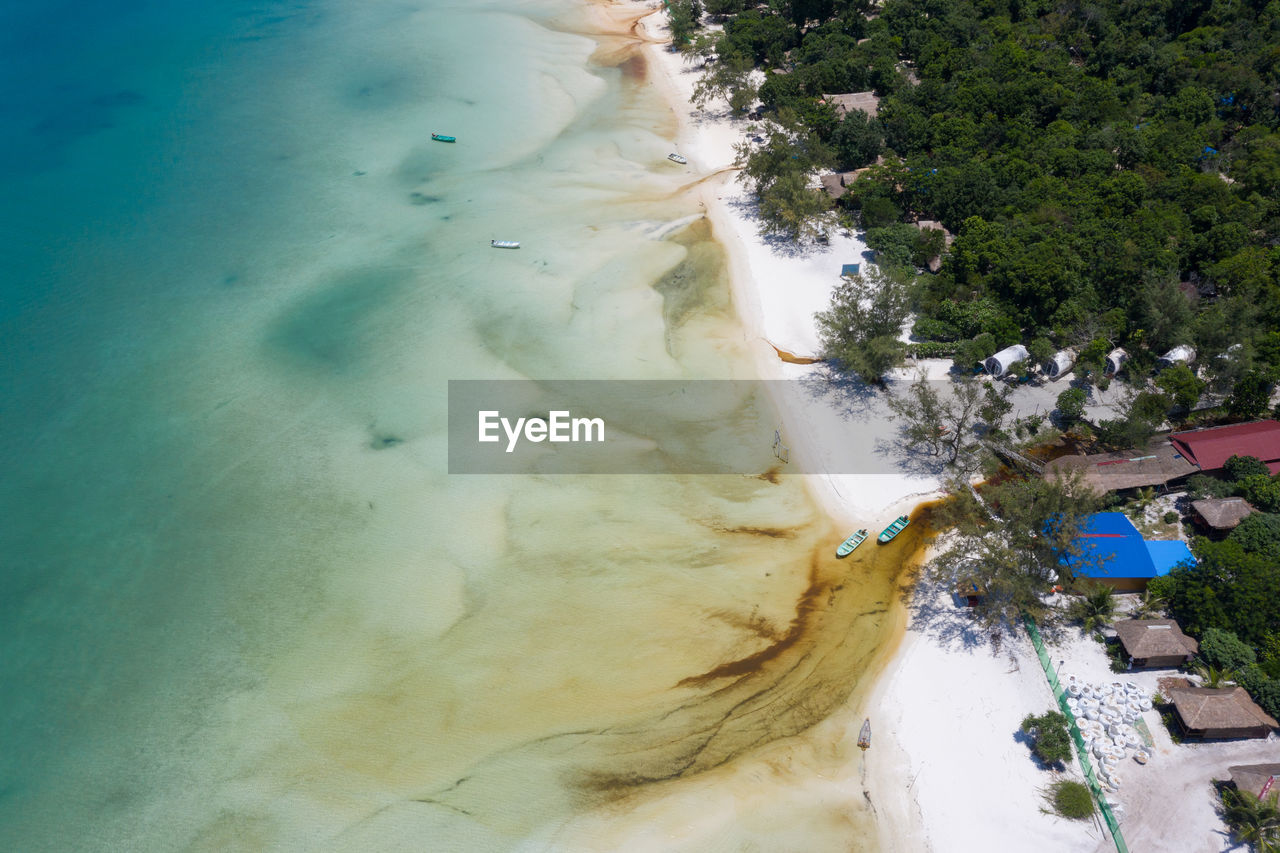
(1109, 169)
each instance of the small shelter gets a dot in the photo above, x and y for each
(1178, 355)
(1254, 777)
(1111, 550)
(998, 365)
(849, 101)
(836, 183)
(1060, 365)
(1222, 514)
(1115, 361)
(1155, 643)
(1219, 712)
(1119, 471)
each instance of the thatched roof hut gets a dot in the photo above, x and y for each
(1117, 471)
(835, 183)
(1155, 642)
(1252, 777)
(849, 101)
(1223, 712)
(1222, 513)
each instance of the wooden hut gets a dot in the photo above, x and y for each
(1222, 712)
(1221, 514)
(1155, 643)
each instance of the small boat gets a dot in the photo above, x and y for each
(847, 546)
(676, 158)
(864, 736)
(505, 244)
(899, 524)
(440, 137)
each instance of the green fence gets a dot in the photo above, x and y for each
(1085, 764)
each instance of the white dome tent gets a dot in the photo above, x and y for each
(1060, 365)
(998, 365)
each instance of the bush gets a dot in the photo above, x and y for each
(1259, 532)
(1264, 690)
(1071, 799)
(1205, 486)
(1224, 650)
(1050, 740)
(1175, 733)
(1071, 405)
(1171, 517)
(932, 349)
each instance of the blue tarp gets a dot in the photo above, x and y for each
(1111, 547)
(850, 269)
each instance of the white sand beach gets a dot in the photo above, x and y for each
(949, 770)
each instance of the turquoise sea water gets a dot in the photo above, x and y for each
(243, 605)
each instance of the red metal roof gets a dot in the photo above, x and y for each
(1210, 448)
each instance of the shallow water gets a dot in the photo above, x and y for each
(245, 606)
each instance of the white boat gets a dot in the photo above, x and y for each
(676, 158)
(505, 244)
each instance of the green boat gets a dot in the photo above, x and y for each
(847, 546)
(440, 137)
(899, 524)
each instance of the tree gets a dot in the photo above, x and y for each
(683, 16)
(789, 207)
(1224, 650)
(1239, 467)
(1071, 406)
(1250, 396)
(729, 77)
(974, 352)
(1212, 676)
(1262, 491)
(1050, 740)
(1182, 386)
(1094, 607)
(944, 427)
(857, 140)
(1012, 545)
(860, 331)
(1259, 533)
(1040, 351)
(1251, 820)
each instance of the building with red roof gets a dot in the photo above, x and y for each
(1209, 449)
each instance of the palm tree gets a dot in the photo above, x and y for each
(1151, 606)
(1211, 676)
(1093, 609)
(1252, 821)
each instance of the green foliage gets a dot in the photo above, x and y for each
(1250, 396)
(1071, 799)
(1071, 406)
(1171, 517)
(683, 16)
(789, 207)
(1224, 650)
(859, 332)
(1093, 607)
(942, 422)
(972, 353)
(931, 349)
(1050, 740)
(1252, 821)
(1261, 490)
(1239, 467)
(1182, 386)
(1229, 588)
(857, 141)
(1207, 486)
(1263, 688)
(1012, 546)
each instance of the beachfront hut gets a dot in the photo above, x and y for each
(1155, 643)
(1219, 712)
(1178, 355)
(849, 101)
(1115, 360)
(998, 365)
(836, 183)
(1061, 364)
(1110, 549)
(1221, 514)
(1256, 777)
(1159, 465)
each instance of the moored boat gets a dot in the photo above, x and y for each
(676, 158)
(847, 546)
(440, 137)
(505, 244)
(899, 524)
(864, 736)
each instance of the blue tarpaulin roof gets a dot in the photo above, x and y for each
(849, 269)
(1111, 547)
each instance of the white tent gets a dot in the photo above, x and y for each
(1060, 364)
(1115, 360)
(998, 364)
(1178, 355)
